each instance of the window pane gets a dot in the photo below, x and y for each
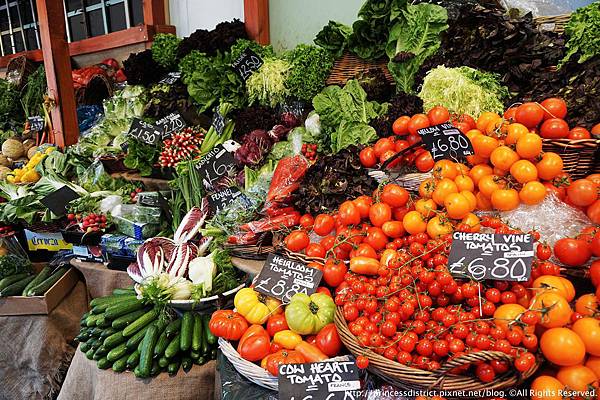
(31, 40)
(96, 23)
(73, 5)
(6, 44)
(136, 12)
(77, 27)
(26, 15)
(14, 17)
(3, 20)
(116, 17)
(18, 42)
(92, 2)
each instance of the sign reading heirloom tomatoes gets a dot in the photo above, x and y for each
(326, 380)
(282, 278)
(446, 141)
(481, 256)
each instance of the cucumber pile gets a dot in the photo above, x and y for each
(123, 333)
(25, 284)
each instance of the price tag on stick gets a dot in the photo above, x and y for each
(221, 199)
(36, 123)
(171, 123)
(446, 141)
(171, 78)
(145, 132)
(57, 201)
(494, 256)
(326, 380)
(218, 121)
(217, 163)
(282, 278)
(247, 63)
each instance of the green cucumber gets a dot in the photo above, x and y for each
(117, 310)
(210, 338)
(16, 288)
(103, 363)
(173, 328)
(123, 291)
(100, 304)
(200, 361)
(83, 317)
(147, 350)
(102, 321)
(137, 372)
(197, 333)
(133, 360)
(204, 348)
(96, 332)
(121, 364)
(161, 345)
(117, 352)
(173, 347)
(187, 331)
(155, 370)
(135, 340)
(91, 320)
(99, 353)
(84, 347)
(186, 364)
(39, 278)
(127, 319)
(9, 280)
(163, 362)
(194, 355)
(213, 354)
(114, 340)
(140, 323)
(90, 353)
(47, 283)
(173, 367)
(107, 332)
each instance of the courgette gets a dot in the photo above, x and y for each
(127, 319)
(114, 340)
(43, 287)
(173, 328)
(187, 331)
(197, 333)
(210, 338)
(186, 364)
(16, 288)
(117, 310)
(161, 345)
(163, 362)
(39, 278)
(173, 366)
(140, 322)
(9, 280)
(147, 350)
(117, 352)
(173, 347)
(103, 363)
(121, 364)
(133, 360)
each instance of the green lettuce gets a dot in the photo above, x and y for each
(583, 31)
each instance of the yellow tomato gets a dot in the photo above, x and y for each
(464, 182)
(555, 309)
(443, 188)
(503, 157)
(437, 227)
(425, 207)
(255, 306)
(524, 171)
(473, 221)
(532, 193)
(556, 284)
(505, 199)
(457, 205)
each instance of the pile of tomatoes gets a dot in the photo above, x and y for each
(582, 194)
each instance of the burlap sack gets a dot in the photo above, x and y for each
(85, 381)
(101, 281)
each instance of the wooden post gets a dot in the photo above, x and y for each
(256, 18)
(57, 63)
(154, 12)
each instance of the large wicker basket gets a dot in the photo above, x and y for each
(413, 378)
(349, 66)
(554, 23)
(18, 70)
(580, 157)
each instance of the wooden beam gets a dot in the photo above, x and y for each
(57, 63)
(256, 18)
(154, 12)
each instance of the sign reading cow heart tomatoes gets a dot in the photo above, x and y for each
(446, 141)
(494, 256)
(326, 380)
(282, 278)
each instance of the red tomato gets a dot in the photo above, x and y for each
(554, 108)
(383, 145)
(595, 273)
(529, 114)
(367, 157)
(328, 340)
(412, 139)
(463, 127)
(306, 221)
(394, 195)
(323, 224)
(380, 213)
(334, 272)
(579, 133)
(297, 240)
(365, 250)
(554, 128)
(276, 323)
(438, 115)
(400, 126)
(582, 192)
(424, 162)
(595, 244)
(376, 238)
(315, 250)
(572, 252)
(510, 113)
(596, 129)
(465, 119)
(254, 345)
(400, 145)
(349, 214)
(387, 155)
(418, 121)
(593, 212)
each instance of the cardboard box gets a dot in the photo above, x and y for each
(22, 305)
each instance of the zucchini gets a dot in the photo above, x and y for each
(186, 364)
(140, 323)
(9, 280)
(173, 328)
(173, 367)
(123, 291)
(127, 319)
(103, 363)
(114, 340)
(117, 352)
(187, 331)
(39, 278)
(119, 309)
(107, 332)
(47, 283)
(210, 338)
(161, 345)
(121, 364)
(197, 333)
(133, 360)
(147, 350)
(173, 347)
(16, 288)
(155, 370)
(163, 362)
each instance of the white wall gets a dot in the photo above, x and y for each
(189, 15)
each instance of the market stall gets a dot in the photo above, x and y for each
(410, 203)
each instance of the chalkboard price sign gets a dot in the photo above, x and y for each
(247, 63)
(218, 121)
(36, 123)
(171, 123)
(216, 164)
(58, 200)
(145, 132)
(282, 278)
(326, 380)
(481, 256)
(446, 141)
(171, 78)
(221, 199)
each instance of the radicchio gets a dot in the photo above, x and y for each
(184, 253)
(254, 148)
(191, 223)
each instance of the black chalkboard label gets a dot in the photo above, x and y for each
(326, 380)
(446, 141)
(282, 278)
(145, 132)
(247, 63)
(480, 256)
(36, 123)
(171, 123)
(218, 121)
(171, 78)
(216, 164)
(221, 199)
(58, 200)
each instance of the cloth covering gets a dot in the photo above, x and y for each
(101, 281)
(86, 381)
(36, 349)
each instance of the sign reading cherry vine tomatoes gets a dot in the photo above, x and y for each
(282, 278)
(326, 380)
(446, 141)
(480, 256)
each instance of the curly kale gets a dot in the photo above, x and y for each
(141, 69)
(310, 67)
(164, 49)
(219, 39)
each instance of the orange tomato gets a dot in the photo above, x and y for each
(555, 309)
(555, 284)
(393, 229)
(529, 145)
(596, 129)
(485, 118)
(470, 196)
(493, 126)
(426, 188)
(577, 377)
(532, 193)
(457, 206)
(588, 330)
(443, 188)
(483, 202)
(479, 171)
(464, 182)
(509, 114)
(500, 172)
(437, 227)
(484, 145)
(400, 125)
(473, 221)
(553, 343)
(472, 133)
(503, 157)
(489, 184)
(507, 313)
(476, 160)
(505, 199)
(445, 169)
(587, 304)
(550, 166)
(545, 387)
(524, 171)
(593, 363)
(462, 169)
(514, 132)
(414, 223)
(379, 214)
(425, 207)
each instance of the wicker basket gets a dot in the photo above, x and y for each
(413, 378)
(114, 164)
(580, 157)
(18, 70)
(349, 66)
(555, 23)
(97, 89)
